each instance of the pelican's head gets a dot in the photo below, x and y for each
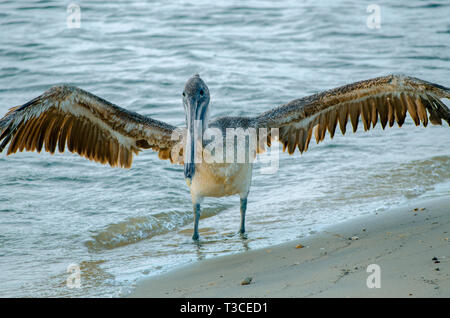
(196, 106)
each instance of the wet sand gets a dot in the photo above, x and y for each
(410, 244)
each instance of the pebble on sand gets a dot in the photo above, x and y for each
(247, 281)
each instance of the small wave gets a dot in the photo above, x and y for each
(409, 180)
(136, 229)
(432, 5)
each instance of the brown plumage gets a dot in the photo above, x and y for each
(69, 117)
(386, 99)
(86, 124)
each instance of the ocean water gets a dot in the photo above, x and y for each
(122, 225)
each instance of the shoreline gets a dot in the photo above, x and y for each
(410, 248)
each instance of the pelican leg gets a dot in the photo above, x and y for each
(243, 210)
(195, 237)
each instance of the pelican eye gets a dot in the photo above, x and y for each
(202, 92)
(184, 94)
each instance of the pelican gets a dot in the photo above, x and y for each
(68, 117)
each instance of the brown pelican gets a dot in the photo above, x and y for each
(100, 131)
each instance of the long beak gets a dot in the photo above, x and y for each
(194, 127)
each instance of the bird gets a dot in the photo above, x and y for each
(69, 117)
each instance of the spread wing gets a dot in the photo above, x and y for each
(90, 126)
(385, 99)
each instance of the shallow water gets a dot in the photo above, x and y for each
(122, 225)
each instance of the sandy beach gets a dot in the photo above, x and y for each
(409, 246)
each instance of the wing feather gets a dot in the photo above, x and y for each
(67, 116)
(385, 99)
